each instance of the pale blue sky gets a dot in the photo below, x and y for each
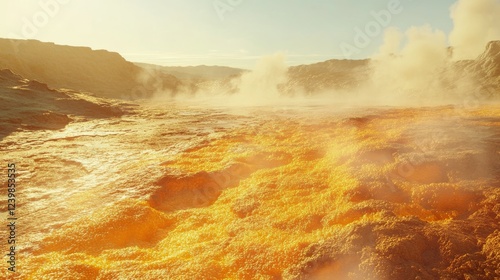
(192, 32)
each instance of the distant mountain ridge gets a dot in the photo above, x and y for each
(108, 74)
(100, 72)
(330, 74)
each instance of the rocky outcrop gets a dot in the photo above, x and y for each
(487, 65)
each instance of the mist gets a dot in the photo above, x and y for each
(406, 67)
(419, 66)
(261, 85)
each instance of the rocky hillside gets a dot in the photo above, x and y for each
(330, 74)
(196, 73)
(103, 73)
(487, 66)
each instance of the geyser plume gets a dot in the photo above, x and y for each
(262, 85)
(406, 72)
(476, 22)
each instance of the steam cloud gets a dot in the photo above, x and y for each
(417, 66)
(403, 72)
(476, 22)
(261, 86)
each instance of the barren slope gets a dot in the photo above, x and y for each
(30, 105)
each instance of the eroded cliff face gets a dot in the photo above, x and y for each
(100, 72)
(487, 66)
